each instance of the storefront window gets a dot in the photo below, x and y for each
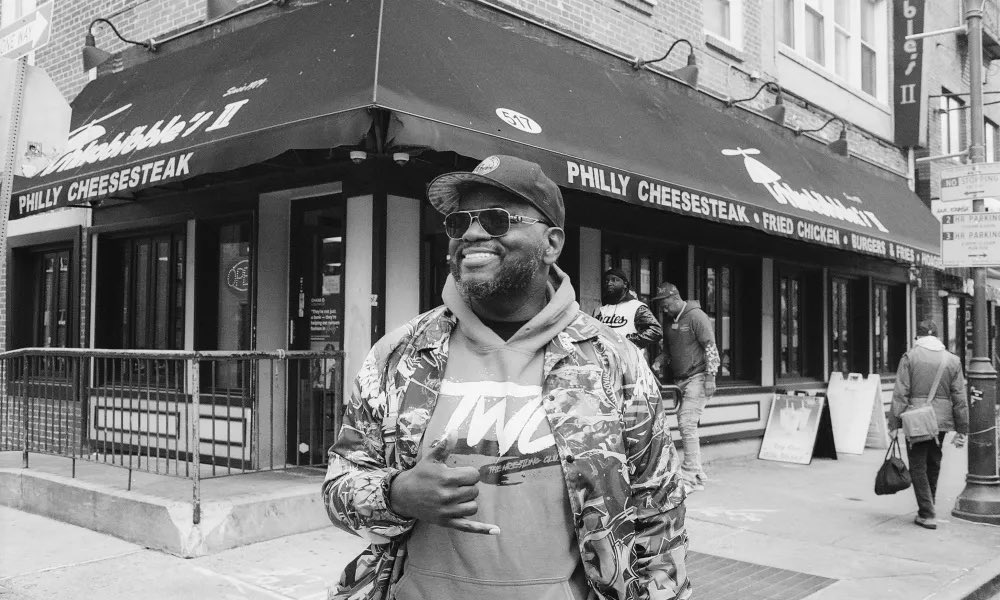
(955, 326)
(224, 310)
(141, 292)
(798, 309)
(52, 320)
(889, 326)
(840, 335)
(724, 287)
(790, 334)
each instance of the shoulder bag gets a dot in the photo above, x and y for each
(920, 422)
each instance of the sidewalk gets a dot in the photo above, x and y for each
(761, 530)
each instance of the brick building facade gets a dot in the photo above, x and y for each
(806, 309)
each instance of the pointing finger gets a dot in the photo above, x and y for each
(470, 526)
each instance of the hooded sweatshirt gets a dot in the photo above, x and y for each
(688, 335)
(490, 403)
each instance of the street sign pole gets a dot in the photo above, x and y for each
(980, 500)
(7, 181)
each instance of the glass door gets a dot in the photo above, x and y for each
(316, 318)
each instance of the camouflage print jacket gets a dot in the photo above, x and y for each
(606, 416)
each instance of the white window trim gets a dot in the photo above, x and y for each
(990, 131)
(735, 40)
(880, 45)
(951, 124)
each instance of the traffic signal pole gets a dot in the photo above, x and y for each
(980, 500)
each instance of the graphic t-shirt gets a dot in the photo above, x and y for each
(501, 430)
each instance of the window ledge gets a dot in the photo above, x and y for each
(643, 6)
(724, 47)
(833, 78)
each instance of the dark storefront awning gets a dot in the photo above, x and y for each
(462, 77)
(303, 80)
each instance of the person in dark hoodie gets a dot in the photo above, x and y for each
(626, 314)
(507, 445)
(693, 357)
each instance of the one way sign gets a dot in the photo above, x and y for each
(27, 34)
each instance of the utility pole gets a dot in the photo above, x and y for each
(980, 500)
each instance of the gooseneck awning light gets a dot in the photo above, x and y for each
(837, 146)
(688, 74)
(94, 56)
(775, 112)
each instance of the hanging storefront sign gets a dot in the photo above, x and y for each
(907, 55)
(859, 229)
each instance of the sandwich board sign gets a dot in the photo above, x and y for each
(798, 429)
(857, 412)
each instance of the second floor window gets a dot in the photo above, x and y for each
(990, 132)
(846, 37)
(724, 19)
(950, 117)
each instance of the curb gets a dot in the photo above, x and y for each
(162, 524)
(983, 587)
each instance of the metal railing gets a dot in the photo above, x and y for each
(183, 414)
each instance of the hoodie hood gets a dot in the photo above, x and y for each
(930, 343)
(556, 315)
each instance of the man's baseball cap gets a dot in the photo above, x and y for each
(522, 178)
(665, 290)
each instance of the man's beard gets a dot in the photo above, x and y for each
(613, 297)
(515, 276)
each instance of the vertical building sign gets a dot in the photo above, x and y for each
(907, 19)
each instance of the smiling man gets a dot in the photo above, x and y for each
(507, 445)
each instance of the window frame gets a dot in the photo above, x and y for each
(734, 38)
(950, 112)
(826, 10)
(810, 327)
(744, 332)
(990, 133)
(888, 329)
(137, 324)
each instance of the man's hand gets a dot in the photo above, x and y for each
(959, 440)
(433, 492)
(710, 385)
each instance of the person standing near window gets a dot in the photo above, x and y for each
(626, 314)
(926, 363)
(694, 360)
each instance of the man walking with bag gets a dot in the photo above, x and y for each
(928, 375)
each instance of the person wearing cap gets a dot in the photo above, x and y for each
(626, 314)
(507, 445)
(693, 357)
(929, 365)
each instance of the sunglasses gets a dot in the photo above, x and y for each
(494, 221)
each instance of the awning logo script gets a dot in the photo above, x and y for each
(85, 146)
(804, 199)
